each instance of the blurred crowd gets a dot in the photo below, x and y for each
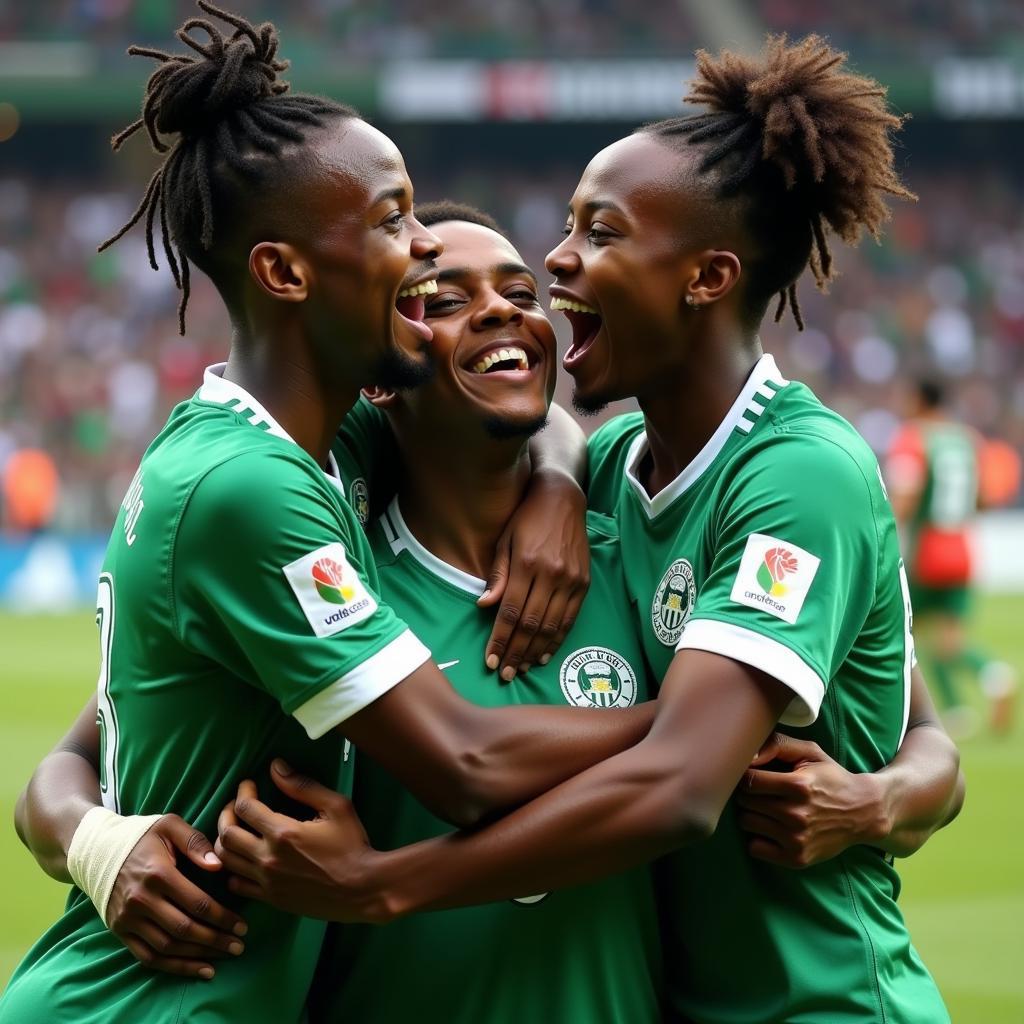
(91, 360)
(368, 30)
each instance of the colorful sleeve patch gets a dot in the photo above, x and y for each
(774, 576)
(329, 590)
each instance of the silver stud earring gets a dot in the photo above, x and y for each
(692, 302)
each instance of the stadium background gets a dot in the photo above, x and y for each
(500, 103)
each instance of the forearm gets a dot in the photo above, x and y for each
(522, 752)
(62, 790)
(561, 446)
(921, 791)
(620, 813)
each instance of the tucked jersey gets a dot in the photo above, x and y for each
(240, 619)
(588, 954)
(939, 461)
(777, 547)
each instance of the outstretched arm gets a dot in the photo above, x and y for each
(808, 808)
(667, 790)
(167, 923)
(542, 566)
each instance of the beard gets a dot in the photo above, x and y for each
(588, 406)
(501, 428)
(398, 371)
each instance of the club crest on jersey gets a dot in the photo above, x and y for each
(329, 590)
(595, 677)
(359, 494)
(774, 576)
(673, 602)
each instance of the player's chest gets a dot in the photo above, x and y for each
(666, 566)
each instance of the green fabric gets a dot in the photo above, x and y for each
(777, 547)
(208, 651)
(588, 954)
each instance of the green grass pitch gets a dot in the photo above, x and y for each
(963, 894)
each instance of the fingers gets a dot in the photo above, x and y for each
(497, 580)
(168, 944)
(240, 851)
(199, 917)
(250, 810)
(303, 788)
(757, 781)
(766, 850)
(506, 621)
(189, 841)
(780, 747)
(149, 957)
(762, 825)
(569, 616)
(227, 818)
(246, 887)
(543, 641)
(527, 628)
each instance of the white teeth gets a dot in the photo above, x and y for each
(501, 355)
(427, 288)
(576, 307)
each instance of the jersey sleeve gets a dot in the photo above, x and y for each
(366, 444)
(272, 578)
(794, 568)
(607, 451)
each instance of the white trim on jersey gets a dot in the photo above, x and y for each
(225, 392)
(362, 685)
(401, 539)
(764, 381)
(765, 653)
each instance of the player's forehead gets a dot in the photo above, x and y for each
(360, 163)
(635, 175)
(472, 250)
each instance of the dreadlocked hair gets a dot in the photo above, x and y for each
(807, 146)
(228, 108)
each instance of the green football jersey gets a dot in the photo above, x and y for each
(776, 547)
(239, 620)
(588, 954)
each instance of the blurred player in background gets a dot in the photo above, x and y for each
(939, 473)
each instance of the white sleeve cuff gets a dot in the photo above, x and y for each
(766, 654)
(362, 685)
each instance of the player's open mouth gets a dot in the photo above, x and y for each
(411, 305)
(586, 325)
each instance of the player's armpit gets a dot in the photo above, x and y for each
(466, 763)
(665, 791)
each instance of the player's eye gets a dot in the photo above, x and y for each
(440, 304)
(525, 296)
(394, 221)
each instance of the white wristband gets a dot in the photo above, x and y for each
(99, 848)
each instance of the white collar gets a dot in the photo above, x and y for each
(764, 381)
(401, 539)
(216, 389)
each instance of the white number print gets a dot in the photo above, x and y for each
(106, 717)
(908, 646)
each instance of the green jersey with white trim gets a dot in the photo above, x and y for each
(240, 619)
(588, 954)
(776, 547)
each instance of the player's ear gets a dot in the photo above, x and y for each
(380, 397)
(280, 271)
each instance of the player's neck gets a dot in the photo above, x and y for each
(293, 394)
(457, 508)
(685, 408)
